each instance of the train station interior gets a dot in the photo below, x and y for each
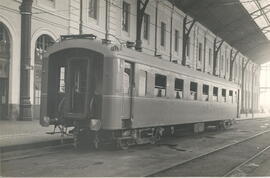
(84, 81)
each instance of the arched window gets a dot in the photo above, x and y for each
(4, 70)
(42, 43)
(4, 51)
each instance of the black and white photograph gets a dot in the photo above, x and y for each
(134, 88)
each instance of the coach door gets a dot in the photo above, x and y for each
(128, 83)
(77, 94)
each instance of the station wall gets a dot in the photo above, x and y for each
(58, 17)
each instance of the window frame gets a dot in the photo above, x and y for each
(62, 79)
(41, 45)
(95, 8)
(231, 96)
(224, 94)
(160, 88)
(205, 96)
(193, 94)
(163, 34)
(179, 92)
(127, 84)
(146, 26)
(210, 57)
(188, 47)
(200, 52)
(222, 63)
(176, 40)
(125, 16)
(145, 83)
(215, 95)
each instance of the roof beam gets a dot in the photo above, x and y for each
(259, 15)
(258, 10)
(261, 9)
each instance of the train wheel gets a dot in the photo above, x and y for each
(96, 143)
(81, 139)
(153, 140)
(172, 130)
(156, 136)
(122, 144)
(227, 124)
(223, 125)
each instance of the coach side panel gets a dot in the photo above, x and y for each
(149, 109)
(155, 112)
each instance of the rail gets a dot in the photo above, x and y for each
(206, 154)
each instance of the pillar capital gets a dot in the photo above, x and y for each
(26, 6)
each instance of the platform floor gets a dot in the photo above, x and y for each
(14, 133)
(24, 132)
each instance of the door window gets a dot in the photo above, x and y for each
(127, 78)
(62, 85)
(142, 83)
(78, 87)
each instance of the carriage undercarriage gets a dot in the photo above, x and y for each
(84, 137)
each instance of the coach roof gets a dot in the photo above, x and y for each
(89, 44)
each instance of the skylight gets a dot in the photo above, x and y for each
(259, 10)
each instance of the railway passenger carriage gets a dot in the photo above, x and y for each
(125, 96)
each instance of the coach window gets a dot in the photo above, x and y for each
(231, 96)
(236, 96)
(160, 85)
(223, 93)
(142, 83)
(178, 87)
(126, 79)
(62, 86)
(193, 90)
(215, 94)
(205, 92)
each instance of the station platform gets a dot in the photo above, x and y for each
(27, 134)
(24, 134)
(253, 116)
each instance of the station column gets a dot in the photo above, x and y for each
(25, 104)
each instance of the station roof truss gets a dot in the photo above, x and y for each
(244, 24)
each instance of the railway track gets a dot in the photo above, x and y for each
(234, 170)
(67, 147)
(171, 170)
(30, 153)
